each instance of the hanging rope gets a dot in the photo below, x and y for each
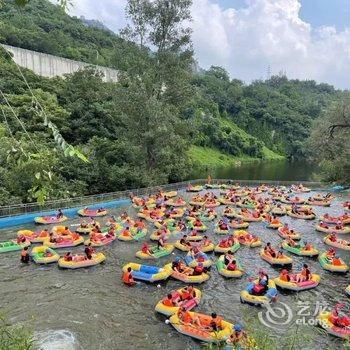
(11, 133)
(19, 121)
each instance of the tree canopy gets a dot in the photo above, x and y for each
(138, 131)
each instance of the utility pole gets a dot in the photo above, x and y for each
(268, 72)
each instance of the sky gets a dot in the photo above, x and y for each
(306, 39)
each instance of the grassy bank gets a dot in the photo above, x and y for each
(211, 157)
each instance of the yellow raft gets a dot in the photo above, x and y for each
(169, 194)
(324, 321)
(39, 255)
(223, 271)
(188, 304)
(81, 261)
(188, 279)
(238, 225)
(218, 231)
(156, 253)
(299, 286)
(199, 333)
(132, 234)
(327, 265)
(301, 215)
(243, 238)
(286, 233)
(92, 213)
(49, 219)
(87, 229)
(275, 226)
(279, 211)
(331, 229)
(285, 260)
(270, 295)
(205, 249)
(65, 243)
(34, 237)
(339, 243)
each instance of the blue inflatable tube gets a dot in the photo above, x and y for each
(10, 221)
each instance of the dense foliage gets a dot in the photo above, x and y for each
(131, 132)
(277, 111)
(44, 27)
(330, 142)
(136, 132)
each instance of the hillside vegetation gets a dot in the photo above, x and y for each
(134, 133)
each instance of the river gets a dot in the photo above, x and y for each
(90, 309)
(265, 170)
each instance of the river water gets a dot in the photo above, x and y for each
(90, 309)
(267, 170)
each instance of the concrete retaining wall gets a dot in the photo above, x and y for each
(51, 66)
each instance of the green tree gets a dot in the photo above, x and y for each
(329, 141)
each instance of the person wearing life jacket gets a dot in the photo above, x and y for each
(184, 316)
(305, 274)
(110, 233)
(198, 270)
(274, 221)
(25, 255)
(205, 241)
(187, 293)
(68, 257)
(168, 301)
(232, 266)
(215, 323)
(269, 250)
(21, 239)
(338, 317)
(237, 335)
(330, 253)
(336, 261)
(284, 276)
(262, 286)
(307, 246)
(184, 241)
(228, 258)
(89, 251)
(161, 241)
(127, 277)
(145, 249)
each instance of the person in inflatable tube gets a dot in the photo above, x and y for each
(237, 335)
(339, 318)
(59, 214)
(262, 286)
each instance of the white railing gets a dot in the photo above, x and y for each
(16, 209)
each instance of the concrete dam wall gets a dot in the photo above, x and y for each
(51, 66)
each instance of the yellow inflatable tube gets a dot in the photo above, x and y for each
(168, 248)
(37, 254)
(97, 258)
(325, 323)
(171, 310)
(284, 260)
(199, 333)
(208, 248)
(186, 278)
(258, 299)
(299, 286)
